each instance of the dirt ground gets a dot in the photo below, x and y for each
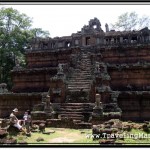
(67, 138)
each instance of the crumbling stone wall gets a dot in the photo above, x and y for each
(135, 105)
(22, 101)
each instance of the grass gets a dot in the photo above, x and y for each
(66, 136)
(137, 137)
(61, 136)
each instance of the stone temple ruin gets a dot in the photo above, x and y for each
(88, 77)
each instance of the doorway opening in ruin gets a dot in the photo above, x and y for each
(76, 42)
(94, 26)
(125, 39)
(52, 45)
(68, 44)
(133, 39)
(87, 40)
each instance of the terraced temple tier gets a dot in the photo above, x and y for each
(73, 69)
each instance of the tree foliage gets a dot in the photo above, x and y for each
(38, 32)
(131, 21)
(15, 33)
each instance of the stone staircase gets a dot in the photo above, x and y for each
(81, 78)
(78, 112)
(77, 106)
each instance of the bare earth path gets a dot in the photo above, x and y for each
(66, 138)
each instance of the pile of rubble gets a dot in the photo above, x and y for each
(111, 131)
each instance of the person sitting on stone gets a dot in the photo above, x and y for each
(15, 122)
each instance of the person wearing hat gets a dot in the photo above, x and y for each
(14, 120)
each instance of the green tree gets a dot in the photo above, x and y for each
(15, 34)
(131, 21)
(38, 32)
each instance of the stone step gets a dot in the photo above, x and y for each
(84, 77)
(75, 90)
(85, 62)
(84, 54)
(79, 112)
(83, 71)
(75, 108)
(74, 117)
(83, 125)
(80, 74)
(80, 80)
(84, 65)
(87, 66)
(83, 68)
(88, 112)
(82, 84)
(77, 83)
(69, 111)
(76, 104)
(78, 88)
(72, 82)
(85, 58)
(77, 121)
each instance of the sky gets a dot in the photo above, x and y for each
(63, 20)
